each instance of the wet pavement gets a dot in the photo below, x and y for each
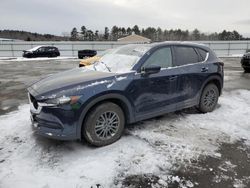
(16, 76)
(231, 169)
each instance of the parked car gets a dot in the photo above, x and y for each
(134, 83)
(90, 60)
(245, 61)
(86, 53)
(41, 51)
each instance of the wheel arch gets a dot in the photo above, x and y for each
(118, 99)
(217, 80)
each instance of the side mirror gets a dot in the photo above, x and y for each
(150, 70)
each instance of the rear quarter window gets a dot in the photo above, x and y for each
(202, 53)
(185, 55)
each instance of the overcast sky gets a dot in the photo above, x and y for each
(57, 16)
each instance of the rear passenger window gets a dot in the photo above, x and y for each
(203, 53)
(185, 55)
(161, 57)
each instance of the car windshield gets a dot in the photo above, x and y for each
(121, 59)
(34, 49)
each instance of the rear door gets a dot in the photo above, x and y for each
(192, 71)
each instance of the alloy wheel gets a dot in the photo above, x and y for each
(107, 125)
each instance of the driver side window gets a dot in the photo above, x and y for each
(161, 57)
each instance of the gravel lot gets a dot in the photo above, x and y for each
(181, 149)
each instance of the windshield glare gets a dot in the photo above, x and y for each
(121, 59)
(34, 49)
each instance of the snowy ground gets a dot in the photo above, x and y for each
(182, 149)
(157, 146)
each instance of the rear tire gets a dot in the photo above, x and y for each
(104, 124)
(209, 98)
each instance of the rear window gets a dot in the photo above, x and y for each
(185, 55)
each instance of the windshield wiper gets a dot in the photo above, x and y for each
(106, 66)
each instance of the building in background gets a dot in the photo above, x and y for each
(134, 39)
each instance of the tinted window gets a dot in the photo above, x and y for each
(42, 49)
(161, 57)
(202, 53)
(185, 55)
(51, 49)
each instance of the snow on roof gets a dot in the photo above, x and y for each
(134, 38)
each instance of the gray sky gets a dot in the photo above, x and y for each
(57, 16)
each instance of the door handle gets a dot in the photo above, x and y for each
(172, 78)
(204, 69)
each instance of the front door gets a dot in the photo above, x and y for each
(154, 94)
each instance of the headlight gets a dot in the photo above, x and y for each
(60, 101)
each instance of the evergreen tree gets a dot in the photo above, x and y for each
(136, 30)
(123, 30)
(74, 34)
(114, 32)
(96, 35)
(83, 32)
(196, 34)
(129, 31)
(106, 33)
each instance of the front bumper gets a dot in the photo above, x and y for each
(56, 123)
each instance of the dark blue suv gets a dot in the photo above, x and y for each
(128, 84)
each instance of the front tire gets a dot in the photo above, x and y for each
(104, 124)
(209, 98)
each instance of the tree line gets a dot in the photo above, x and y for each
(155, 34)
(29, 36)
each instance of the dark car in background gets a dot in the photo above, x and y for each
(41, 51)
(245, 61)
(86, 53)
(133, 83)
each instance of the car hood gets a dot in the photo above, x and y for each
(67, 79)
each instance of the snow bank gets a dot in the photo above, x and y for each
(155, 146)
